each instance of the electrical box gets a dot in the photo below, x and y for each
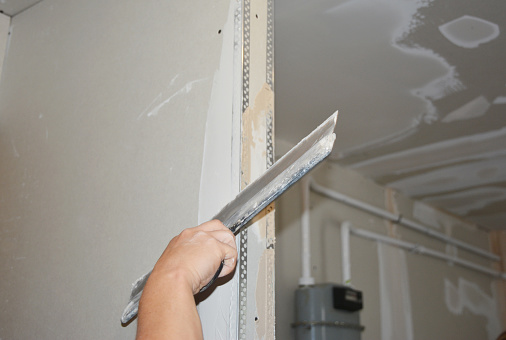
(327, 311)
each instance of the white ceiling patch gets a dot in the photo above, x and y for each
(475, 108)
(468, 296)
(451, 178)
(464, 202)
(469, 32)
(500, 100)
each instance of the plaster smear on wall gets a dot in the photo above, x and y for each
(395, 302)
(467, 295)
(153, 110)
(427, 214)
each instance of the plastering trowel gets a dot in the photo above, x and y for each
(256, 196)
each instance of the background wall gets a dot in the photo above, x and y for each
(103, 110)
(406, 296)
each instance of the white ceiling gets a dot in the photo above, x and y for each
(421, 91)
(13, 7)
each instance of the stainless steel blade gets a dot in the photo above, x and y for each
(255, 197)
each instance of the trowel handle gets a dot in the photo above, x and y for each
(214, 277)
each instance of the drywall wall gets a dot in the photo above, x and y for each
(406, 296)
(103, 110)
(4, 34)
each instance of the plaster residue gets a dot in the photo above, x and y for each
(395, 301)
(427, 214)
(391, 206)
(14, 149)
(264, 284)
(254, 139)
(410, 75)
(154, 107)
(469, 32)
(500, 100)
(475, 108)
(468, 296)
(464, 202)
(455, 177)
(383, 141)
(468, 148)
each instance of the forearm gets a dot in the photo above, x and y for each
(167, 308)
(171, 314)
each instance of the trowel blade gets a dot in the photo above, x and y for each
(256, 196)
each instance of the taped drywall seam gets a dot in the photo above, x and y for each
(391, 206)
(257, 154)
(261, 278)
(395, 303)
(219, 311)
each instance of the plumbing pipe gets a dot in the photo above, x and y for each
(345, 252)
(418, 249)
(398, 219)
(306, 278)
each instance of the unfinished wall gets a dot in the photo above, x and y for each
(4, 34)
(103, 109)
(406, 296)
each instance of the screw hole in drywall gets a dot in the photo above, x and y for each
(256, 318)
(256, 15)
(219, 31)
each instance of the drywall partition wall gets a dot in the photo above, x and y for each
(406, 296)
(103, 110)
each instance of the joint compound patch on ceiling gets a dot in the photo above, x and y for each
(426, 75)
(475, 108)
(500, 100)
(475, 147)
(469, 32)
(455, 177)
(468, 296)
(464, 202)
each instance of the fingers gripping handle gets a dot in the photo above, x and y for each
(216, 275)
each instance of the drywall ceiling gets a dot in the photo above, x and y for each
(13, 7)
(421, 91)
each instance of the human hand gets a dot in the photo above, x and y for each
(195, 255)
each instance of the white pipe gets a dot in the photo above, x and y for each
(306, 278)
(398, 219)
(345, 252)
(418, 249)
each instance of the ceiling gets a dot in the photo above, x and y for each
(420, 86)
(421, 91)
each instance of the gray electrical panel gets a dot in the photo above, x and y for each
(327, 311)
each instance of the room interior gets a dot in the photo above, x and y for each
(420, 87)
